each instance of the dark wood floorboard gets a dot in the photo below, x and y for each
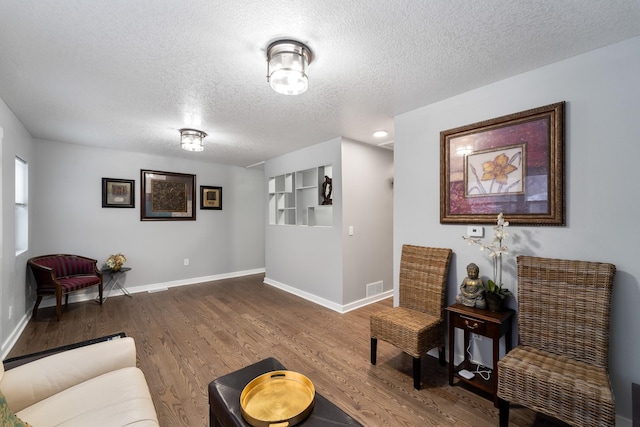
(188, 336)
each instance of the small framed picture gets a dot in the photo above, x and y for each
(118, 193)
(210, 197)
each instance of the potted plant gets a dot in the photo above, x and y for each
(495, 295)
(494, 292)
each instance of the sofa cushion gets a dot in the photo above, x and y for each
(118, 398)
(7, 417)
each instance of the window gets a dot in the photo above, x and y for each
(22, 211)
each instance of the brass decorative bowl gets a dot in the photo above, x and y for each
(277, 399)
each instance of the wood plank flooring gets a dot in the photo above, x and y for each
(188, 336)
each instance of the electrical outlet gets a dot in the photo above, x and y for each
(10, 312)
(186, 261)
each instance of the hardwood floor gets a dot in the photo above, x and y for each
(188, 336)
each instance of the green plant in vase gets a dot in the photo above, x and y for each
(495, 293)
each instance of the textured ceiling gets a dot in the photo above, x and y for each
(126, 74)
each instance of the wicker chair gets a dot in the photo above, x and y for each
(417, 324)
(560, 366)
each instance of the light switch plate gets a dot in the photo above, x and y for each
(475, 231)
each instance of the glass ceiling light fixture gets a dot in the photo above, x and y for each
(287, 63)
(191, 139)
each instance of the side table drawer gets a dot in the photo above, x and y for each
(470, 324)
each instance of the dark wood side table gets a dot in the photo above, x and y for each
(482, 322)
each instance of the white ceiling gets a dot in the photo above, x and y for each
(126, 74)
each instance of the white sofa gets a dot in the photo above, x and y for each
(95, 385)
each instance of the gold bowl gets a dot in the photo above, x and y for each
(277, 399)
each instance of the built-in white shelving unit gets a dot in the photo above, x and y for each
(296, 198)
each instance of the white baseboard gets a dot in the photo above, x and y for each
(11, 340)
(326, 303)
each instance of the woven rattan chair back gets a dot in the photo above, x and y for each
(423, 276)
(564, 307)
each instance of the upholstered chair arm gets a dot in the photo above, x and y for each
(45, 276)
(32, 382)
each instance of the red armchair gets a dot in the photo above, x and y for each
(61, 274)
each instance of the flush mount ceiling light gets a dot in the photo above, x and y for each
(191, 139)
(287, 62)
(380, 133)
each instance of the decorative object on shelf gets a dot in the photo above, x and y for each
(287, 62)
(327, 189)
(191, 139)
(118, 193)
(512, 164)
(494, 289)
(167, 196)
(210, 197)
(115, 262)
(472, 289)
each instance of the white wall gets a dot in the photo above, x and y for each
(15, 141)
(602, 92)
(367, 205)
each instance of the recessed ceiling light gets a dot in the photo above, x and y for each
(380, 133)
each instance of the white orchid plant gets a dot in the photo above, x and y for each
(495, 249)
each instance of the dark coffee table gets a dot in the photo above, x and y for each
(224, 400)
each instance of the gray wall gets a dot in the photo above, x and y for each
(69, 215)
(367, 205)
(602, 91)
(307, 260)
(15, 141)
(66, 216)
(325, 264)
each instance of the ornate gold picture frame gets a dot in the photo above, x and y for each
(512, 164)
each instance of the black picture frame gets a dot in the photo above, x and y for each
(167, 196)
(118, 193)
(210, 197)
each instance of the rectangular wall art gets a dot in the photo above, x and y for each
(167, 196)
(118, 193)
(512, 164)
(210, 197)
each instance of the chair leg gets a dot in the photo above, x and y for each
(100, 289)
(503, 406)
(374, 348)
(35, 307)
(417, 375)
(441, 358)
(59, 304)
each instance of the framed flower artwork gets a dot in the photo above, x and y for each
(512, 164)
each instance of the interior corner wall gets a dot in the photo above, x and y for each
(307, 259)
(367, 206)
(70, 218)
(14, 295)
(602, 93)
